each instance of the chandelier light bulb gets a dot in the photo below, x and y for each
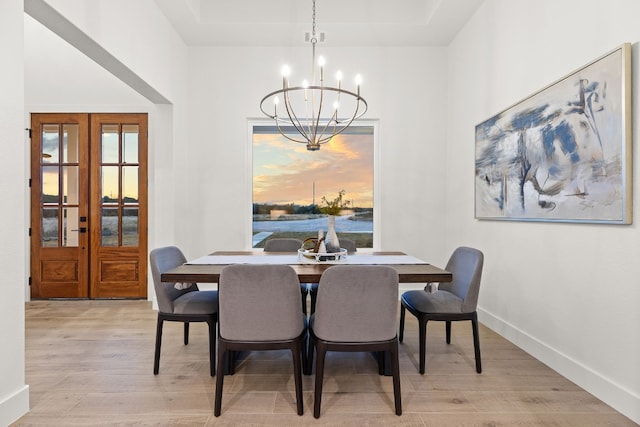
(339, 75)
(336, 104)
(276, 100)
(305, 84)
(358, 79)
(286, 71)
(321, 61)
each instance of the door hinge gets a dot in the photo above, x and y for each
(29, 280)
(28, 129)
(29, 231)
(29, 182)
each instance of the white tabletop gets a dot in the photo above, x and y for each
(289, 259)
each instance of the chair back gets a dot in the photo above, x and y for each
(465, 266)
(348, 244)
(357, 303)
(282, 245)
(162, 260)
(259, 303)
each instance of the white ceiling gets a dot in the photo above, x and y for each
(345, 22)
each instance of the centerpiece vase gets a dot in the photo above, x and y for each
(331, 239)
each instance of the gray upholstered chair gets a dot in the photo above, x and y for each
(181, 305)
(347, 244)
(281, 244)
(260, 309)
(452, 301)
(357, 310)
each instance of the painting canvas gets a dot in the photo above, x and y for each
(562, 154)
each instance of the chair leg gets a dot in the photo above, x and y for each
(296, 353)
(222, 356)
(317, 399)
(314, 294)
(380, 356)
(448, 330)
(305, 355)
(212, 347)
(304, 291)
(422, 334)
(397, 395)
(231, 361)
(309, 362)
(402, 315)
(476, 342)
(186, 333)
(156, 360)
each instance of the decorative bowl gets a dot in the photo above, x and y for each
(311, 257)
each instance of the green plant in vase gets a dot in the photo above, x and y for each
(333, 208)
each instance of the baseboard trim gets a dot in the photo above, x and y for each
(14, 406)
(619, 398)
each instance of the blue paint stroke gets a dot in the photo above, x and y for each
(588, 104)
(529, 118)
(563, 133)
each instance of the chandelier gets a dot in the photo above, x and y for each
(314, 109)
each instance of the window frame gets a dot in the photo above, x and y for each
(377, 198)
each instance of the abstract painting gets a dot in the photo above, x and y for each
(564, 153)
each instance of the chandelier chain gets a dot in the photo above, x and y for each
(313, 26)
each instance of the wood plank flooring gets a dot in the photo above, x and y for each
(90, 363)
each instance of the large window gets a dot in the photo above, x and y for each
(289, 184)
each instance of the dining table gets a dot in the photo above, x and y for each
(207, 269)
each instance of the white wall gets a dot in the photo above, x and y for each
(137, 34)
(406, 91)
(58, 77)
(566, 293)
(14, 393)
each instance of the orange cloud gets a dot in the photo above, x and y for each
(285, 172)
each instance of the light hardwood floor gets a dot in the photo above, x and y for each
(91, 363)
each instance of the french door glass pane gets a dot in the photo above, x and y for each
(70, 227)
(110, 144)
(50, 184)
(130, 184)
(130, 143)
(130, 227)
(70, 143)
(50, 143)
(110, 190)
(110, 227)
(70, 185)
(49, 227)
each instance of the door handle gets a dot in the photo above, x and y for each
(81, 229)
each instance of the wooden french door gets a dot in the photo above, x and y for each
(59, 208)
(88, 205)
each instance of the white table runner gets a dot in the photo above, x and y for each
(293, 259)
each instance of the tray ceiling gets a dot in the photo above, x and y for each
(345, 22)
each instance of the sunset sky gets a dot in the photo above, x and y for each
(284, 171)
(110, 152)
